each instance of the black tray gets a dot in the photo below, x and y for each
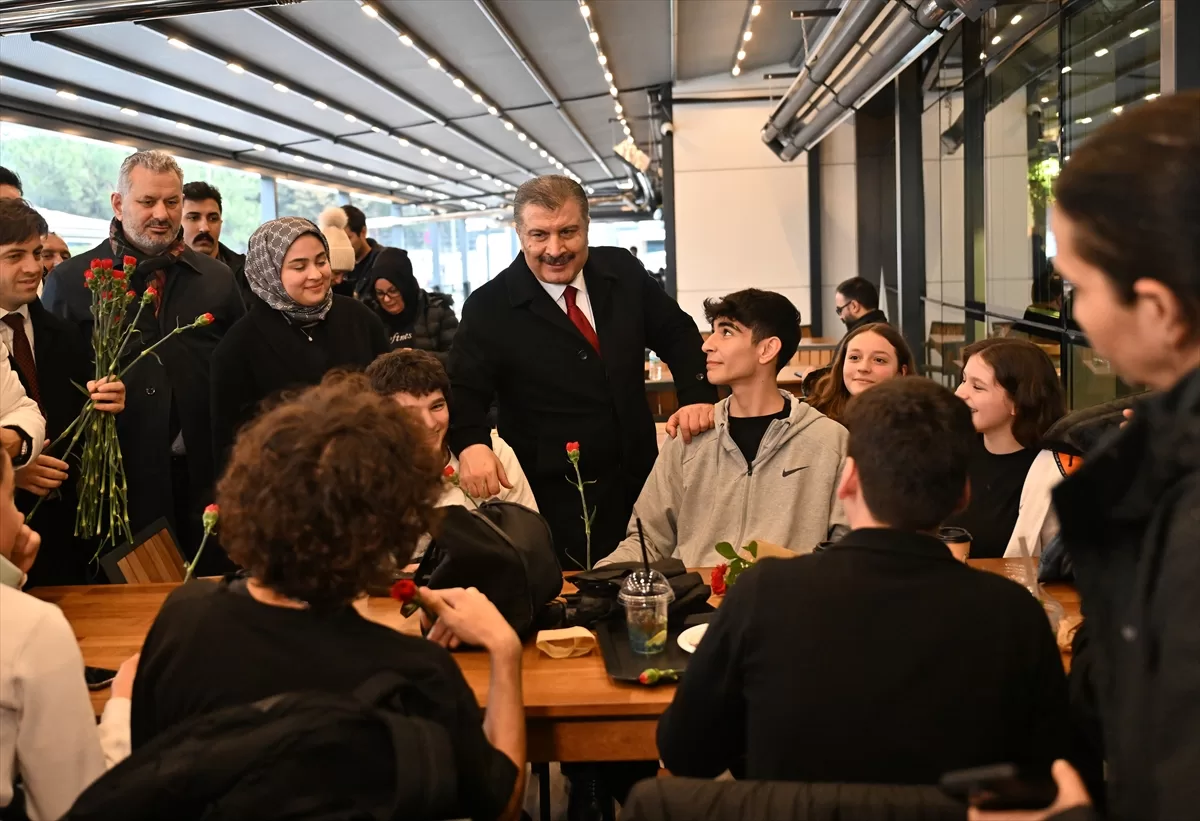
(623, 664)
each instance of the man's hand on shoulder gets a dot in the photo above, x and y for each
(691, 420)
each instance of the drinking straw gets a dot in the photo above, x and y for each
(642, 539)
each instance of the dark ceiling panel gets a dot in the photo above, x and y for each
(708, 33)
(636, 35)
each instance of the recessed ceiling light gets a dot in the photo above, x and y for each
(350, 118)
(411, 188)
(236, 68)
(259, 147)
(741, 55)
(129, 112)
(179, 44)
(996, 40)
(425, 152)
(182, 126)
(1152, 96)
(736, 71)
(495, 112)
(748, 36)
(1066, 69)
(377, 129)
(1101, 52)
(1045, 99)
(521, 136)
(280, 87)
(370, 10)
(485, 176)
(543, 152)
(406, 40)
(442, 159)
(432, 176)
(298, 158)
(224, 138)
(608, 76)
(584, 10)
(472, 172)
(67, 95)
(1138, 32)
(458, 83)
(595, 36)
(477, 98)
(755, 10)
(1015, 19)
(352, 173)
(321, 104)
(612, 90)
(327, 166)
(533, 145)
(508, 125)
(1118, 109)
(433, 62)
(402, 141)
(602, 59)
(1084, 120)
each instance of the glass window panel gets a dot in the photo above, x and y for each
(301, 199)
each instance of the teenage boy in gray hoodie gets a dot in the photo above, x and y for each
(769, 467)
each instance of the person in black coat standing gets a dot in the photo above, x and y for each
(1129, 244)
(559, 339)
(165, 431)
(413, 317)
(297, 331)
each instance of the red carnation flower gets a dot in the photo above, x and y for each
(448, 471)
(106, 294)
(118, 275)
(94, 263)
(129, 262)
(404, 591)
(205, 319)
(572, 447)
(88, 276)
(106, 264)
(717, 582)
(130, 294)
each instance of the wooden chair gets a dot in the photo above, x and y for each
(153, 556)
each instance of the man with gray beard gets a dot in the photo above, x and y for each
(165, 431)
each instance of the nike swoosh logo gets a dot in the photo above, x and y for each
(788, 473)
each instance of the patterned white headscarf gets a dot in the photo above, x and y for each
(264, 267)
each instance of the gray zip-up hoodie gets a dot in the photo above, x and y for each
(703, 493)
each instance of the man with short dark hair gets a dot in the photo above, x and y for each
(51, 358)
(360, 283)
(881, 659)
(767, 471)
(558, 340)
(857, 303)
(203, 212)
(10, 185)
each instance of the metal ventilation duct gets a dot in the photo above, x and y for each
(26, 16)
(869, 43)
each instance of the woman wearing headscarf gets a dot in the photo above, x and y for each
(414, 318)
(297, 331)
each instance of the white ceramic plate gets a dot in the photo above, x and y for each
(690, 638)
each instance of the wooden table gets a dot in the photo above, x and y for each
(574, 712)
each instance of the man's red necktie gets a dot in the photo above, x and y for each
(23, 354)
(580, 319)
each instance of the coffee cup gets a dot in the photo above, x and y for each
(646, 595)
(958, 540)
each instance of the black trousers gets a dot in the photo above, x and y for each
(611, 498)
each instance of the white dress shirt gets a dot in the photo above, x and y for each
(559, 294)
(6, 333)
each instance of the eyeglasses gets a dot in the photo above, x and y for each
(838, 309)
(389, 294)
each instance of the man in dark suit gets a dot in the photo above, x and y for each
(202, 224)
(50, 357)
(857, 303)
(559, 339)
(165, 432)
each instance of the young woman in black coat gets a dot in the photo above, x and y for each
(414, 318)
(297, 331)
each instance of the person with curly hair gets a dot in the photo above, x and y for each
(322, 495)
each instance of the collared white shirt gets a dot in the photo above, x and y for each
(559, 294)
(6, 333)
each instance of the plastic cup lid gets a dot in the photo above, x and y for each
(648, 587)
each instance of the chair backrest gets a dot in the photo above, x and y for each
(152, 557)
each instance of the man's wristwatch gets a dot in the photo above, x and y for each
(26, 446)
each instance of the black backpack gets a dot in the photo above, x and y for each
(503, 549)
(307, 756)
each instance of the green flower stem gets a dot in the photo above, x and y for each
(587, 520)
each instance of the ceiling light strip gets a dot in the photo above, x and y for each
(325, 50)
(594, 35)
(434, 60)
(249, 70)
(746, 35)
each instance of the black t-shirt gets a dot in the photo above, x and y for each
(881, 660)
(748, 431)
(991, 515)
(214, 646)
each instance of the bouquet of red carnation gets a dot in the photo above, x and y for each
(103, 494)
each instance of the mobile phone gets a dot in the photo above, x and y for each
(1000, 787)
(98, 678)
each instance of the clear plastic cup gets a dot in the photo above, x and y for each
(646, 596)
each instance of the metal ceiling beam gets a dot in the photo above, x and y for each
(515, 47)
(37, 112)
(26, 16)
(215, 52)
(327, 51)
(146, 72)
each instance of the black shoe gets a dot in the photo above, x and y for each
(590, 800)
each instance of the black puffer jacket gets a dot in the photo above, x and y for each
(427, 322)
(1131, 522)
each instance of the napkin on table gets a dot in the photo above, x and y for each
(566, 643)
